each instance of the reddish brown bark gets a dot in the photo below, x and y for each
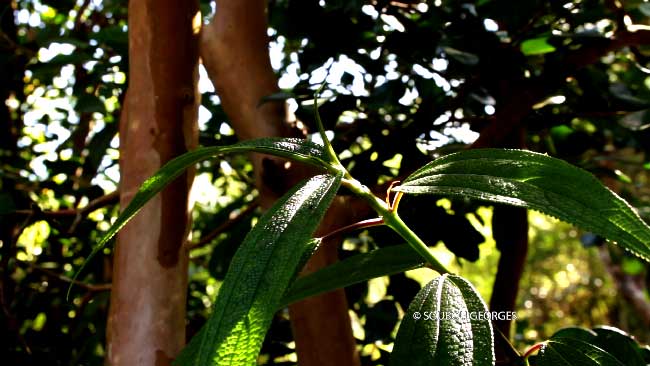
(234, 49)
(147, 315)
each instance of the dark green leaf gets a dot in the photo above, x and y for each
(290, 148)
(539, 182)
(572, 352)
(88, 103)
(260, 273)
(581, 334)
(620, 345)
(356, 269)
(112, 35)
(446, 324)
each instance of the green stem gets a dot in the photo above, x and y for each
(321, 129)
(388, 214)
(392, 220)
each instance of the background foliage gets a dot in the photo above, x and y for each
(408, 80)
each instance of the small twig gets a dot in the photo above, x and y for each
(509, 349)
(66, 279)
(533, 349)
(378, 221)
(224, 227)
(82, 9)
(100, 202)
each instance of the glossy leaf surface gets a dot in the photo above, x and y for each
(617, 343)
(539, 182)
(562, 351)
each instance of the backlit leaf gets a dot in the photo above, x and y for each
(260, 272)
(539, 182)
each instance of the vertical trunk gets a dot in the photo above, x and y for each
(146, 324)
(509, 224)
(510, 231)
(234, 49)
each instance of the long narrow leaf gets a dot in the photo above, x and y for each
(260, 274)
(539, 182)
(356, 269)
(290, 148)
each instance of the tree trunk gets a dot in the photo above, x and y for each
(509, 224)
(234, 49)
(146, 324)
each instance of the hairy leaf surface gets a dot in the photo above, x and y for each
(539, 182)
(445, 325)
(260, 274)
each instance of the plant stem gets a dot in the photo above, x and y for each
(533, 349)
(392, 220)
(385, 211)
(356, 226)
(321, 129)
(395, 222)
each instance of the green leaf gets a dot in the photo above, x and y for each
(260, 272)
(539, 182)
(573, 352)
(446, 324)
(536, 46)
(581, 334)
(620, 345)
(617, 343)
(290, 148)
(356, 269)
(89, 103)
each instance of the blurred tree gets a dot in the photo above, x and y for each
(405, 81)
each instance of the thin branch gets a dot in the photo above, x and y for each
(82, 9)
(93, 205)
(224, 227)
(102, 201)
(378, 221)
(66, 279)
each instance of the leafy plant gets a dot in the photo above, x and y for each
(447, 323)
